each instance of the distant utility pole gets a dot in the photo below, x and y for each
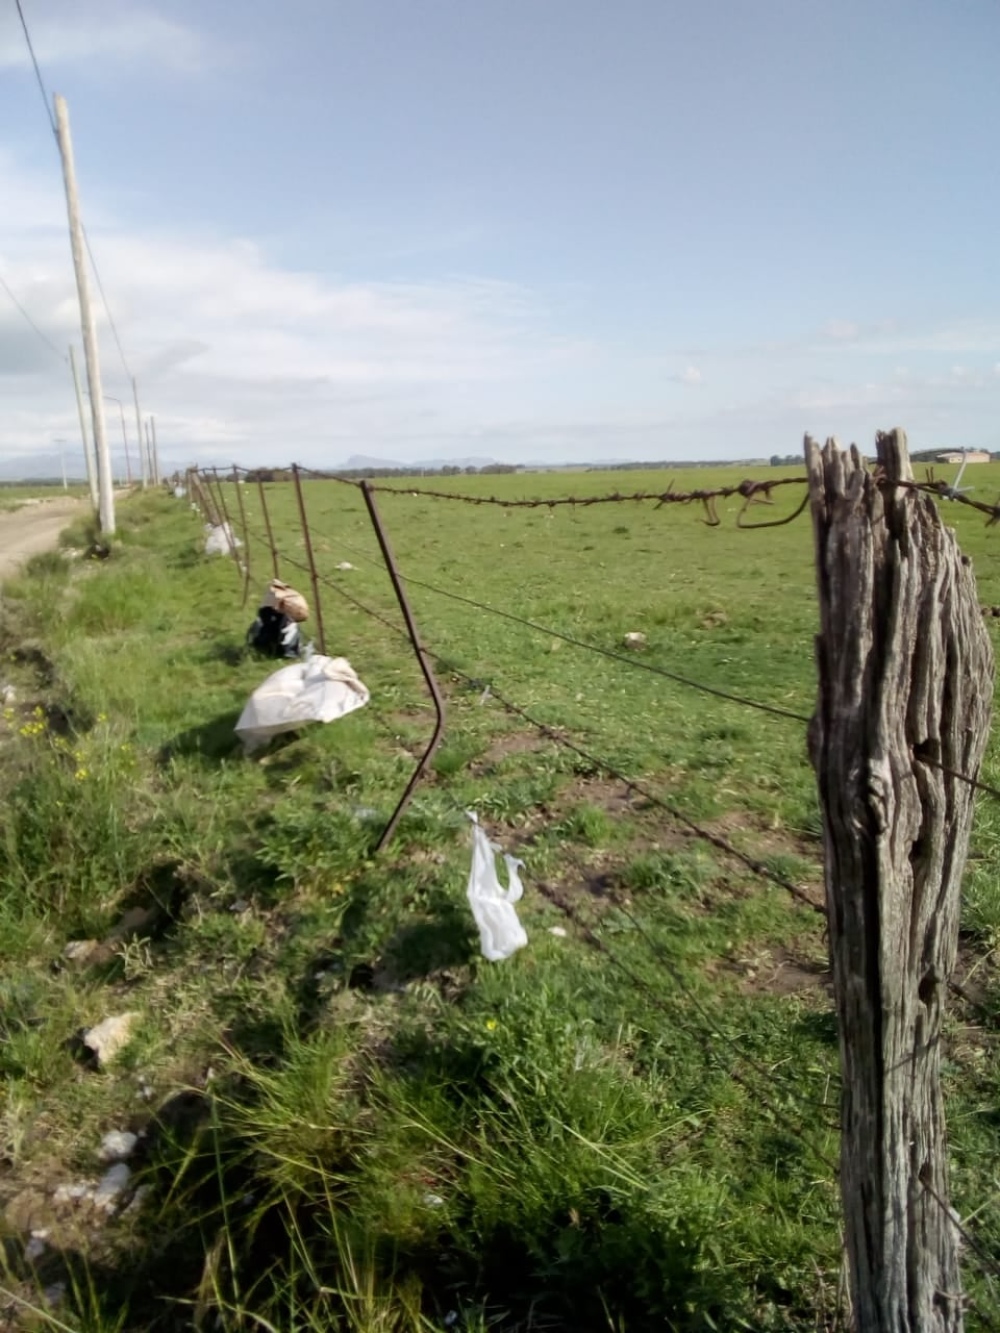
(156, 452)
(138, 427)
(88, 456)
(105, 485)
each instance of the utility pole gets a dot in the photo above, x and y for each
(105, 485)
(149, 451)
(156, 452)
(138, 427)
(128, 465)
(88, 456)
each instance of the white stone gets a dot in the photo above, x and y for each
(345, 564)
(78, 951)
(111, 1186)
(110, 1036)
(72, 1193)
(117, 1145)
(558, 931)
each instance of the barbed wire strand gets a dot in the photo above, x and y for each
(704, 1033)
(633, 662)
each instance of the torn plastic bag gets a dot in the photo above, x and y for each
(274, 634)
(281, 597)
(500, 932)
(318, 690)
(219, 540)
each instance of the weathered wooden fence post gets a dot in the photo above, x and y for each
(905, 685)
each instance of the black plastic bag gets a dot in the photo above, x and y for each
(274, 634)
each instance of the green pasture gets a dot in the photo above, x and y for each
(351, 1120)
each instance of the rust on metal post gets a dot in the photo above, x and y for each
(320, 633)
(267, 523)
(422, 659)
(224, 510)
(246, 535)
(203, 499)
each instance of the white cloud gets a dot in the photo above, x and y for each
(63, 32)
(690, 375)
(231, 350)
(842, 330)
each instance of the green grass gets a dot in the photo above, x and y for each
(351, 1120)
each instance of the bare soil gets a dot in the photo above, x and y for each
(31, 529)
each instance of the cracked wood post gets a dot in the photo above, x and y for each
(905, 683)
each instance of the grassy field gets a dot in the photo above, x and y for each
(350, 1120)
(14, 495)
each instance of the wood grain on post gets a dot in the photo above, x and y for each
(905, 683)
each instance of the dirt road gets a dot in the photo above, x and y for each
(32, 528)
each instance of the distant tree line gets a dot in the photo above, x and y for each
(356, 474)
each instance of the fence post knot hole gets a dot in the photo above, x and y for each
(905, 689)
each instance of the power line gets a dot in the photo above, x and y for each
(86, 238)
(38, 72)
(104, 302)
(43, 336)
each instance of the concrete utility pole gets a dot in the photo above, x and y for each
(156, 452)
(105, 485)
(88, 456)
(138, 427)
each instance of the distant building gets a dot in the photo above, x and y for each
(972, 456)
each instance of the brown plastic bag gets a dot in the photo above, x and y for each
(286, 600)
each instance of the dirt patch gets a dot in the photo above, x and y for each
(513, 743)
(33, 528)
(777, 971)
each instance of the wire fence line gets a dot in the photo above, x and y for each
(630, 661)
(753, 490)
(763, 1084)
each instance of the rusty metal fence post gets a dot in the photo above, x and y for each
(267, 523)
(246, 534)
(224, 510)
(320, 632)
(422, 659)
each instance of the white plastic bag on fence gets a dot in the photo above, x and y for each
(219, 539)
(320, 689)
(500, 932)
(179, 492)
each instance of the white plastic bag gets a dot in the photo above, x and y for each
(500, 932)
(320, 689)
(219, 539)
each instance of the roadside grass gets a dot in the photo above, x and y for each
(350, 1120)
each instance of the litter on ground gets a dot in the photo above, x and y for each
(321, 689)
(219, 539)
(500, 931)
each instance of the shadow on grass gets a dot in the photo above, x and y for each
(211, 741)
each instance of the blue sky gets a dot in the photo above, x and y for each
(538, 230)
